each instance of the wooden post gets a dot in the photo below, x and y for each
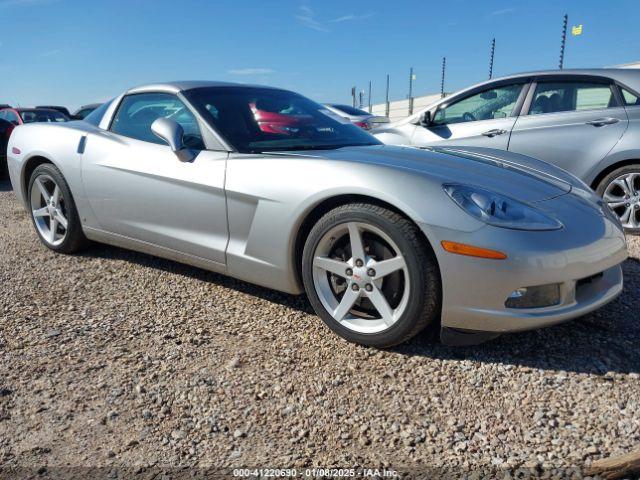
(616, 467)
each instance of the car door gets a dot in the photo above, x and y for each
(481, 118)
(138, 188)
(571, 122)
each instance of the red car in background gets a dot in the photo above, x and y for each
(273, 117)
(12, 117)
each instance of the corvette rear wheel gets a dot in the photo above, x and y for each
(370, 275)
(53, 211)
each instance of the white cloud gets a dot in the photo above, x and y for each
(50, 53)
(23, 3)
(251, 71)
(352, 16)
(504, 11)
(307, 17)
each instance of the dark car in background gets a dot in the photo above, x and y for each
(20, 116)
(85, 110)
(63, 110)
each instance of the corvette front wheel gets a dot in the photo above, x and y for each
(370, 275)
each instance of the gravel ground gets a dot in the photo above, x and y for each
(117, 359)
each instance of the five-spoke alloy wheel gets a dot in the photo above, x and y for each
(621, 191)
(53, 212)
(49, 210)
(370, 275)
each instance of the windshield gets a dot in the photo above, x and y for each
(95, 117)
(257, 120)
(32, 116)
(350, 110)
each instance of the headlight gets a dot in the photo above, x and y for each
(498, 210)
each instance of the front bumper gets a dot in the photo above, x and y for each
(584, 258)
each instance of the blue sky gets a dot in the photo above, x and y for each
(72, 52)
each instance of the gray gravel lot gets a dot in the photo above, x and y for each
(114, 358)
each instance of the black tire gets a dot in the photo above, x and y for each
(606, 181)
(424, 275)
(75, 239)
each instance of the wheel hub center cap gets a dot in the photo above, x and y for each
(360, 276)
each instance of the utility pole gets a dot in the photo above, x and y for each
(411, 91)
(444, 66)
(369, 96)
(386, 108)
(361, 99)
(353, 96)
(493, 51)
(564, 41)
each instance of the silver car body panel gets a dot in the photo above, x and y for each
(565, 139)
(240, 214)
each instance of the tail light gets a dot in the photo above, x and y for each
(364, 125)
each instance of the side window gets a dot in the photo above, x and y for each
(553, 97)
(494, 103)
(629, 98)
(137, 112)
(12, 117)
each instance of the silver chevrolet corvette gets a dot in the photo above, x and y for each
(269, 187)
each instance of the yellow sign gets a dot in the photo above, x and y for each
(576, 30)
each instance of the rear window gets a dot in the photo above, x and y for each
(42, 116)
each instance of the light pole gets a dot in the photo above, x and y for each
(386, 108)
(493, 51)
(369, 96)
(564, 41)
(411, 91)
(444, 67)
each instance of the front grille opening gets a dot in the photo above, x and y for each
(589, 280)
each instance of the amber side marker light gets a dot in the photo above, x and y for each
(471, 251)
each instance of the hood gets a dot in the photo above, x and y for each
(517, 176)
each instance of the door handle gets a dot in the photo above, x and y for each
(494, 132)
(601, 122)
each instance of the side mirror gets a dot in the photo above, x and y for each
(425, 119)
(171, 132)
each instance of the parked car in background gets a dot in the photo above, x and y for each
(279, 118)
(19, 116)
(584, 121)
(362, 119)
(85, 110)
(5, 131)
(384, 240)
(63, 110)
